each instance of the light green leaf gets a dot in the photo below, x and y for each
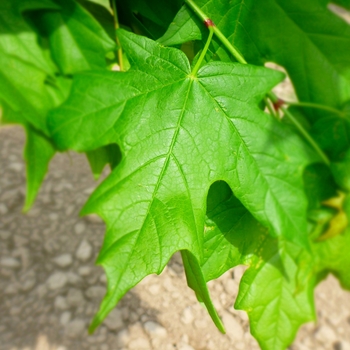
(77, 41)
(38, 153)
(304, 37)
(276, 290)
(178, 134)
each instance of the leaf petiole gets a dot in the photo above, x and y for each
(315, 106)
(116, 27)
(217, 32)
(204, 51)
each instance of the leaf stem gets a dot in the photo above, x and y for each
(301, 129)
(116, 27)
(315, 106)
(306, 135)
(204, 51)
(268, 105)
(217, 32)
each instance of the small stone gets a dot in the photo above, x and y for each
(103, 279)
(75, 297)
(57, 280)
(11, 289)
(344, 345)
(5, 235)
(114, 320)
(79, 228)
(84, 271)
(10, 263)
(233, 328)
(201, 323)
(141, 343)
(84, 251)
(61, 303)
(231, 287)
(3, 209)
(28, 284)
(154, 289)
(326, 334)
(75, 328)
(154, 329)
(63, 260)
(53, 216)
(123, 337)
(65, 317)
(74, 279)
(187, 315)
(17, 167)
(185, 347)
(95, 292)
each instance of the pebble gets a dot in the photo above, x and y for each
(154, 289)
(75, 297)
(154, 329)
(76, 328)
(84, 271)
(28, 284)
(10, 263)
(65, 317)
(187, 315)
(95, 292)
(63, 260)
(123, 337)
(60, 303)
(79, 228)
(185, 347)
(74, 279)
(5, 235)
(233, 329)
(17, 167)
(326, 334)
(344, 345)
(141, 343)
(3, 209)
(57, 280)
(84, 251)
(231, 287)
(114, 320)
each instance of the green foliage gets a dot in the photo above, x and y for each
(197, 164)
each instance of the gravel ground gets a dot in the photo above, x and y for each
(50, 288)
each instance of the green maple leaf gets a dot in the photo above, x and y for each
(179, 133)
(30, 84)
(276, 290)
(76, 39)
(306, 38)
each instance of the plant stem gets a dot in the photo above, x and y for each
(315, 106)
(217, 32)
(306, 135)
(116, 27)
(301, 129)
(204, 51)
(268, 105)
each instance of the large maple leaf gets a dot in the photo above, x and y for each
(306, 38)
(178, 134)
